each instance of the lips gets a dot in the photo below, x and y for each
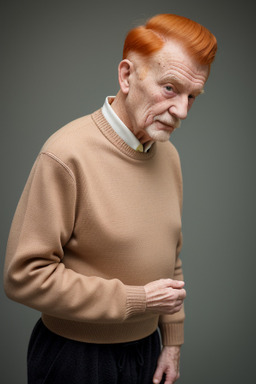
(166, 126)
(170, 125)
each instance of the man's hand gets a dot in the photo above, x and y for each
(168, 364)
(165, 296)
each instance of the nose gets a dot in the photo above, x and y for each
(179, 107)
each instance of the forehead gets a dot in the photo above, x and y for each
(175, 62)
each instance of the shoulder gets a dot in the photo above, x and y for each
(70, 146)
(170, 160)
(70, 137)
(169, 151)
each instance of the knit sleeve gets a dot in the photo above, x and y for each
(34, 273)
(172, 326)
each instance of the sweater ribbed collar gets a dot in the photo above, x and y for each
(116, 140)
(121, 129)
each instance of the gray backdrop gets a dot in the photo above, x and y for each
(59, 60)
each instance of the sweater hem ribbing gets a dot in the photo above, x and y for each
(101, 333)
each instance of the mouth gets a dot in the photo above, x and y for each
(167, 125)
(164, 126)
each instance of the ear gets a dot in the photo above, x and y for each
(125, 69)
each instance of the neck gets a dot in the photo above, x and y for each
(119, 108)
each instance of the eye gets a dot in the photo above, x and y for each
(191, 97)
(169, 88)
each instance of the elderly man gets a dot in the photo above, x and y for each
(95, 241)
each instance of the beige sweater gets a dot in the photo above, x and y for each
(95, 223)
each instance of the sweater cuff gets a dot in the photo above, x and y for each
(136, 301)
(172, 333)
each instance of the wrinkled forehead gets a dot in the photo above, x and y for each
(173, 56)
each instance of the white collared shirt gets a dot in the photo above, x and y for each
(121, 129)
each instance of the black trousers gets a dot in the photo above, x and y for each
(53, 359)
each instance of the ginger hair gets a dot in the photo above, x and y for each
(150, 38)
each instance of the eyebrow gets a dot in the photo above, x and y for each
(177, 81)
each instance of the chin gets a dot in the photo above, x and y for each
(158, 135)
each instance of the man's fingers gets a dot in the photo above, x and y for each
(182, 294)
(179, 303)
(165, 295)
(158, 375)
(176, 284)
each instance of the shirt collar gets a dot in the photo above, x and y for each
(121, 129)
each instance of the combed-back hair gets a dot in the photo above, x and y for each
(150, 38)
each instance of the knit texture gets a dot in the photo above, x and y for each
(95, 223)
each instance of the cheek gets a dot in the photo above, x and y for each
(160, 106)
(156, 98)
